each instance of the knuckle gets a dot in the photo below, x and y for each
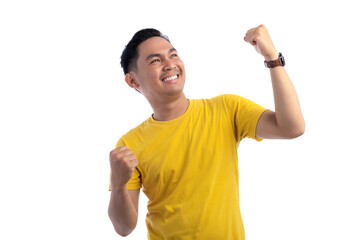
(122, 148)
(118, 155)
(128, 159)
(125, 160)
(117, 150)
(112, 152)
(133, 165)
(129, 166)
(112, 157)
(121, 154)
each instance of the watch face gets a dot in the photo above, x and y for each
(282, 59)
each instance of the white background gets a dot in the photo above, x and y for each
(64, 104)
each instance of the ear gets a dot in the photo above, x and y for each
(131, 81)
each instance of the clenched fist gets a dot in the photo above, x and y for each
(259, 37)
(122, 163)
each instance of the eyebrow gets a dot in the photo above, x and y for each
(158, 54)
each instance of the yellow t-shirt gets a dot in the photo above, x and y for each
(188, 168)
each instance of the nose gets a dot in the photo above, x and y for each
(169, 65)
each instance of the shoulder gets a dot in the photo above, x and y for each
(134, 135)
(235, 104)
(220, 98)
(228, 97)
(228, 100)
(236, 101)
(220, 101)
(225, 103)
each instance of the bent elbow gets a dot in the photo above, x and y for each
(296, 132)
(122, 228)
(123, 233)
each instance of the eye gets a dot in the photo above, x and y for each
(155, 60)
(174, 55)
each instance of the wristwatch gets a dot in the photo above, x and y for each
(278, 62)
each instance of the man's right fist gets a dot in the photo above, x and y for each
(122, 163)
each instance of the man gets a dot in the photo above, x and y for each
(185, 155)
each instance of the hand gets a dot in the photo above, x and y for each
(122, 163)
(259, 37)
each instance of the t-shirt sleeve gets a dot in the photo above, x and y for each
(245, 114)
(135, 181)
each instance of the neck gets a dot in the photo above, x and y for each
(169, 110)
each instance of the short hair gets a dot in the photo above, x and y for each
(130, 54)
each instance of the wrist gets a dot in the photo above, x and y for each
(118, 187)
(272, 57)
(279, 61)
(119, 193)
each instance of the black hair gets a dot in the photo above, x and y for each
(130, 54)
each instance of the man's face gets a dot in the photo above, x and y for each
(160, 72)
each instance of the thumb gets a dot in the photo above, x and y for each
(250, 41)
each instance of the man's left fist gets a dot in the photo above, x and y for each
(259, 37)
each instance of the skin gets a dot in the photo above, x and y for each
(287, 121)
(158, 60)
(123, 206)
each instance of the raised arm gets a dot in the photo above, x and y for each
(123, 206)
(287, 120)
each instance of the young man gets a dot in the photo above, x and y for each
(185, 155)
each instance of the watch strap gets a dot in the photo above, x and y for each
(275, 63)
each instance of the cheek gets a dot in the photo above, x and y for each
(182, 69)
(181, 64)
(149, 77)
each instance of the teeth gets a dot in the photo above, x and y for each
(170, 78)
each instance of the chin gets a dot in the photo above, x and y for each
(175, 92)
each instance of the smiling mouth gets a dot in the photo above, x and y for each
(170, 78)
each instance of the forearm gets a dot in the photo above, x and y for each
(122, 212)
(287, 121)
(287, 107)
